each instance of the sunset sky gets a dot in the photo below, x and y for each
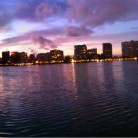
(36, 26)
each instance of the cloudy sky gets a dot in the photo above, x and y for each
(36, 26)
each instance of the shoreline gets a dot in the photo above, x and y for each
(32, 64)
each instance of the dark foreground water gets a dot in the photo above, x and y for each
(88, 99)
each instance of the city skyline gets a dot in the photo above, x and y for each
(107, 49)
(43, 25)
(81, 54)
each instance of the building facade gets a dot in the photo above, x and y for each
(56, 55)
(107, 50)
(80, 52)
(15, 57)
(43, 57)
(19, 57)
(130, 49)
(5, 56)
(92, 53)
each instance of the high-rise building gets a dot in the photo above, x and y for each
(130, 49)
(107, 50)
(80, 52)
(57, 55)
(92, 53)
(5, 56)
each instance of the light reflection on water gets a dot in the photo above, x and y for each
(88, 99)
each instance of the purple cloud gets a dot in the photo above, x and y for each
(43, 42)
(45, 10)
(14, 40)
(77, 31)
(5, 17)
(39, 10)
(24, 11)
(96, 12)
(55, 31)
(28, 39)
(88, 13)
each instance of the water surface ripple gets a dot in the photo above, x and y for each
(88, 99)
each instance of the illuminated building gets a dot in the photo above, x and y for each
(56, 56)
(5, 56)
(130, 49)
(80, 52)
(107, 50)
(92, 53)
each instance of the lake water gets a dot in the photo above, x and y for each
(87, 99)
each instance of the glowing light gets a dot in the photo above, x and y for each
(36, 62)
(73, 61)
